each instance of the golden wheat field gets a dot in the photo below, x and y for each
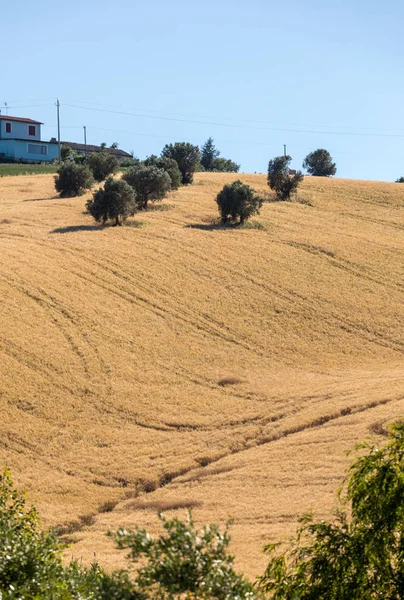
(170, 363)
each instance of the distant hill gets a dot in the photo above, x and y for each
(177, 364)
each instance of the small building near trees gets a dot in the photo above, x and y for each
(20, 141)
(85, 149)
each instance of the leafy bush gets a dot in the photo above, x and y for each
(319, 163)
(400, 180)
(73, 180)
(279, 178)
(116, 202)
(185, 561)
(238, 200)
(129, 162)
(360, 555)
(169, 165)
(102, 164)
(225, 165)
(149, 183)
(186, 156)
(66, 152)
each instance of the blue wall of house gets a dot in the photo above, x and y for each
(19, 130)
(28, 150)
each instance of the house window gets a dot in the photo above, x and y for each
(8, 127)
(37, 149)
(31, 130)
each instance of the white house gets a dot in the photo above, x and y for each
(20, 140)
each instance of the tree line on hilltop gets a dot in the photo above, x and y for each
(153, 178)
(357, 555)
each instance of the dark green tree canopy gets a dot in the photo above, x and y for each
(280, 179)
(167, 164)
(186, 155)
(116, 201)
(237, 200)
(400, 180)
(225, 165)
(208, 154)
(211, 160)
(360, 554)
(149, 183)
(102, 164)
(319, 163)
(73, 180)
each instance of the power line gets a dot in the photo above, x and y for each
(216, 124)
(228, 118)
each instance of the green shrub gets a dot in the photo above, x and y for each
(360, 554)
(73, 180)
(280, 179)
(149, 183)
(238, 200)
(116, 201)
(169, 165)
(225, 165)
(187, 156)
(102, 164)
(66, 152)
(400, 180)
(185, 562)
(319, 163)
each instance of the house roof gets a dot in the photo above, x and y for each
(21, 119)
(91, 148)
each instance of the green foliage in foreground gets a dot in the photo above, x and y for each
(185, 561)
(7, 170)
(237, 200)
(360, 554)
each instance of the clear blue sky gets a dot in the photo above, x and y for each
(253, 74)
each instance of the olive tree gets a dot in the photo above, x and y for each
(237, 200)
(73, 180)
(102, 164)
(280, 179)
(319, 163)
(187, 156)
(359, 555)
(116, 201)
(149, 183)
(167, 164)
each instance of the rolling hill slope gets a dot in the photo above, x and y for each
(170, 363)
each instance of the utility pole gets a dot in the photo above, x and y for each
(284, 149)
(5, 104)
(57, 108)
(85, 140)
